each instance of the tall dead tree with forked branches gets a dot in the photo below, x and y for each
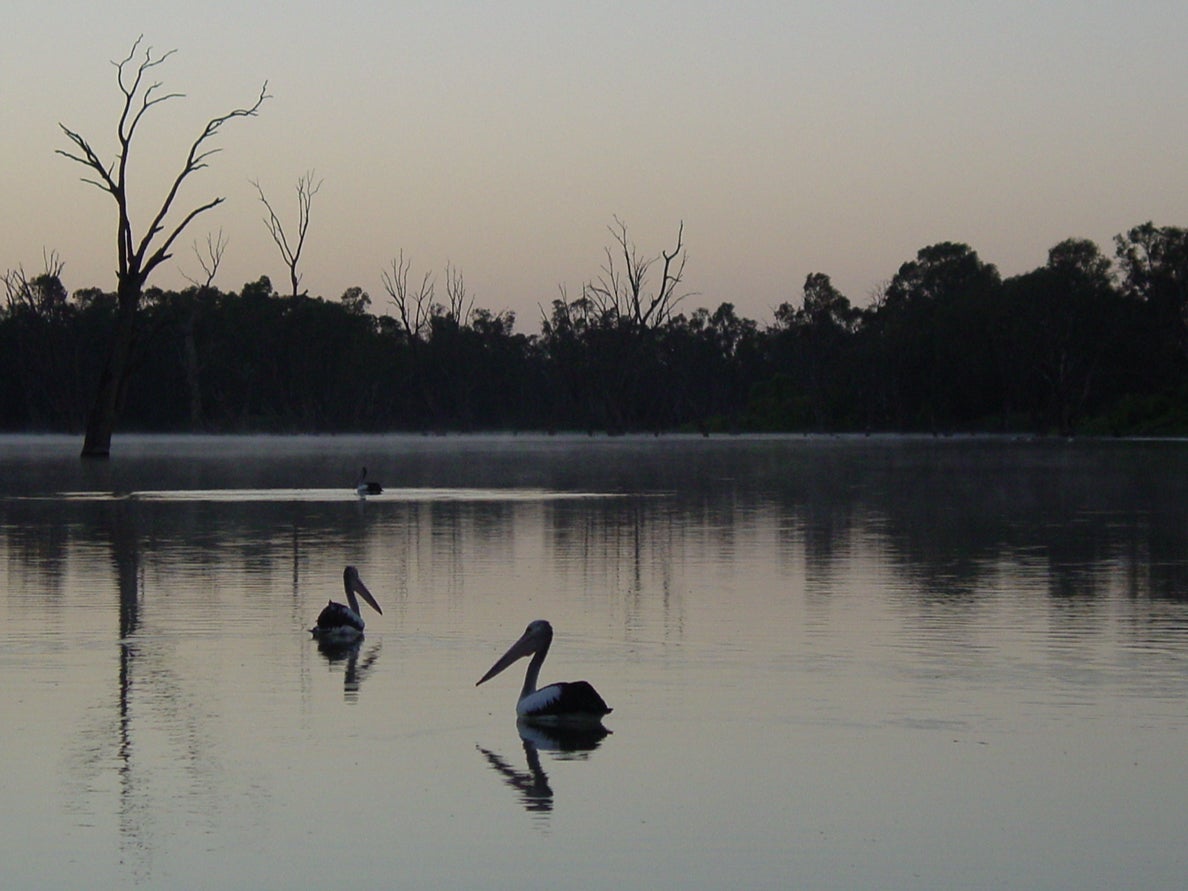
(621, 290)
(138, 255)
(194, 302)
(290, 250)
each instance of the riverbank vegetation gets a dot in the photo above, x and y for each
(1087, 343)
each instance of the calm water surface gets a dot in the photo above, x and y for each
(834, 663)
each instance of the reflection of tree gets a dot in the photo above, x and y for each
(536, 795)
(106, 741)
(948, 515)
(120, 742)
(630, 547)
(125, 555)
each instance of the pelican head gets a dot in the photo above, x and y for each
(353, 585)
(535, 640)
(365, 487)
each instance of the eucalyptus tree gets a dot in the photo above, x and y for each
(44, 360)
(138, 252)
(1154, 266)
(1065, 323)
(933, 321)
(619, 319)
(808, 344)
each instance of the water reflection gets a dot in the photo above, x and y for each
(568, 743)
(877, 601)
(356, 669)
(145, 752)
(947, 514)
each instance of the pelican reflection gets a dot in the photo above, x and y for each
(358, 664)
(567, 743)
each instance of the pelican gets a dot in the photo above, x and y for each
(566, 703)
(338, 624)
(363, 487)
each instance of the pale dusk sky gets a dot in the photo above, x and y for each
(503, 138)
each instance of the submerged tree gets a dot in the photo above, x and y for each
(139, 255)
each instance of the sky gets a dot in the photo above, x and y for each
(505, 138)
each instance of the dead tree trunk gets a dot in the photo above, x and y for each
(137, 258)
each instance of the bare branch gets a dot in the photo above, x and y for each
(666, 298)
(134, 257)
(291, 253)
(413, 308)
(210, 261)
(43, 293)
(620, 290)
(194, 161)
(461, 304)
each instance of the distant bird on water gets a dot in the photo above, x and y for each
(343, 624)
(363, 487)
(575, 702)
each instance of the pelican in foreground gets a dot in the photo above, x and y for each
(365, 487)
(575, 702)
(338, 624)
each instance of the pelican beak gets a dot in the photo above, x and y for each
(525, 646)
(361, 589)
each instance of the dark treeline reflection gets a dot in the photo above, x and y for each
(947, 514)
(1084, 343)
(1077, 523)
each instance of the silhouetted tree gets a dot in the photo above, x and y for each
(1064, 325)
(933, 324)
(48, 361)
(195, 301)
(1154, 267)
(290, 249)
(810, 344)
(137, 257)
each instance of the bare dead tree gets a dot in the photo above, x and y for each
(138, 256)
(291, 251)
(48, 363)
(42, 294)
(620, 290)
(209, 260)
(460, 304)
(414, 308)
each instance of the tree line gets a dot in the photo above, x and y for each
(1082, 343)
(1085, 343)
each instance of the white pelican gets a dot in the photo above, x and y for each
(363, 487)
(343, 624)
(565, 703)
